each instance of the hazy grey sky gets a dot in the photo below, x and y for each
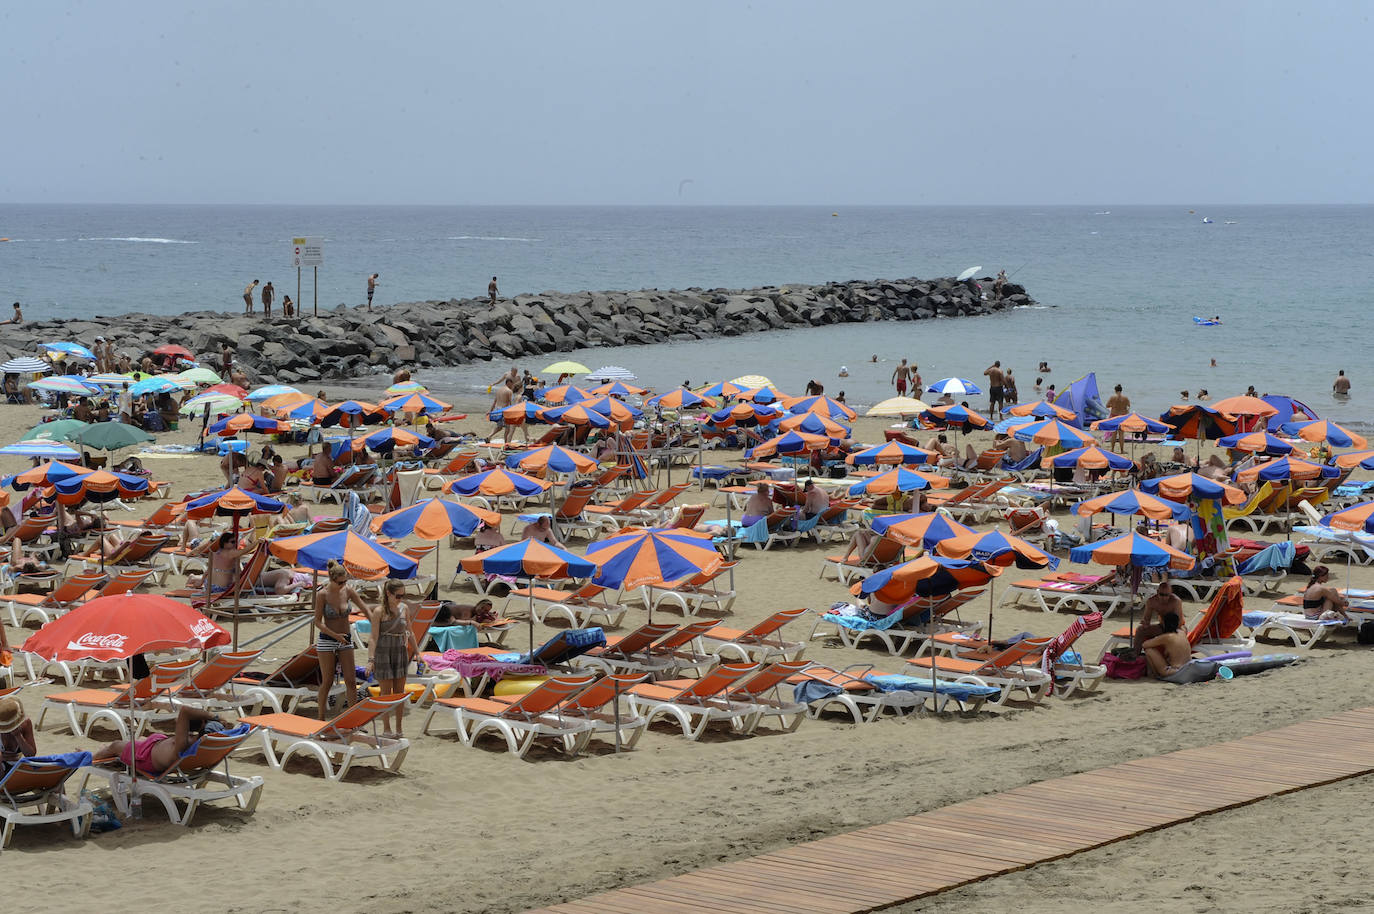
(617, 102)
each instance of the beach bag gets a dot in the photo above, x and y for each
(1365, 635)
(1126, 664)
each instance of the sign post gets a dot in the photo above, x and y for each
(307, 252)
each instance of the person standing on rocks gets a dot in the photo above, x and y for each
(371, 288)
(900, 375)
(997, 285)
(491, 290)
(226, 359)
(267, 294)
(248, 296)
(995, 395)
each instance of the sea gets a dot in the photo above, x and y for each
(1118, 286)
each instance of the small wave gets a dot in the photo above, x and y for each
(143, 240)
(487, 238)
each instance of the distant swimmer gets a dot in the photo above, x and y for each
(1216, 319)
(248, 296)
(1341, 386)
(1044, 368)
(491, 290)
(372, 287)
(1214, 363)
(18, 317)
(844, 372)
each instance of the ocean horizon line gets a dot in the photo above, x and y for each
(697, 206)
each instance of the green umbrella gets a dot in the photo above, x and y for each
(111, 436)
(198, 376)
(59, 430)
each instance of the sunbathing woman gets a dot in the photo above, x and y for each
(335, 641)
(155, 753)
(391, 647)
(1322, 601)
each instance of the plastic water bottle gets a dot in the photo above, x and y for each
(420, 666)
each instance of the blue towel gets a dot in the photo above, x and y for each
(758, 533)
(959, 691)
(811, 690)
(860, 624)
(566, 645)
(65, 760)
(1274, 557)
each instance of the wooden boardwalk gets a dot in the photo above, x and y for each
(873, 868)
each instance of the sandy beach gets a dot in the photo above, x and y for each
(474, 830)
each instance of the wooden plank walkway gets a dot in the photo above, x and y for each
(873, 868)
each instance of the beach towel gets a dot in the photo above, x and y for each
(65, 760)
(1274, 557)
(470, 665)
(959, 691)
(359, 518)
(1061, 643)
(811, 690)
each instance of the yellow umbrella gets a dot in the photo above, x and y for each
(566, 368)
(752, 380)
(898, 406)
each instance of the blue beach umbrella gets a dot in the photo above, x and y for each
(155, 384)
(388, 438)
(1259, 442)
(579, 413)
(65, 384)
(1132, 502)
(681, 398)
(48, 450)
(498, 481)
(270, 390)
(640, 558)
(1131, 422)
(924, 530)
(1053, 433)
(518, 413)
(814, 424)
(434, 518)
(955, 387)
(362, 557)
(1091, 457)
(894, 452)
(551, 458)
(825, 406)
(898, 479)
(530, 559)
(75, 349)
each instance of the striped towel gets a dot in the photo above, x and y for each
(1066, 638)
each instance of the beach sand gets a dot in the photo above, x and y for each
(474, 830)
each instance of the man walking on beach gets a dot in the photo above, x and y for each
(248, 297)
(491, 290)
(503, 395)
(994, 376)
(1118, 405)
(900, 374)
(371, 288)
(1341, 387)
(267, 294)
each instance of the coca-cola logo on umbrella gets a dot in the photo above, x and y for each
(92, 641)
(204, 629)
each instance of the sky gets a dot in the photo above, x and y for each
(704, 102)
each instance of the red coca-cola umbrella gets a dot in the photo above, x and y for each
(171, 350)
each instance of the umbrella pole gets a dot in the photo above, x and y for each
(102, 536)
(529, 585)
(135, 807)
(235, 584)
(701, 476)
(992, 604)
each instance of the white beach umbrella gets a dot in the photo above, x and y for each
(611, 373)
(898, 406)
(968, 274)
(25, 364)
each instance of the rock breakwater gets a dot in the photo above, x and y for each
(348, 342)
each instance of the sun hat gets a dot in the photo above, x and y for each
(11, 714)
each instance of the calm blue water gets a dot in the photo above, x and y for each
(1292, 284)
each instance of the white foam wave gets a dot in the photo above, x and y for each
(487, 238)
(143, 240)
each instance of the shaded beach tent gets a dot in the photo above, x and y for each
(1134, 502)
(496, 482)
(610, 373)
(743, 414)
(1259, 442)
(387, 439)
(154, 384)
(1043, 409)
(1053, 433)
(243, 423)
(566, 367)
(1193, 420)
(415, 404)
(57, 430)
(724, 389)
(618, 389)
(1193, 487)
(924, 530)
(821, 406)
(898, 479)
(406, 387)
(199, 375)
(27, 364)
(893, 452)
(76, 349)
(41, 448)
(750, 381)
(530, 559)
(268, 391)
(551, 459)
(1091, 457)
(636, 557)
(216, 403)
(435, 519)
(67, 384)
(1082, 398)
(1132, 423)
(955, 387)
(111, 436)
(1324, 430)
(566, 394)
(1285, 469)
(362, 557)
(789, 443)
(576, 414)
(1289, 410)
(901, 407)
(518, 413)
(681, 398)
(1000, 549)
(814, 424)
